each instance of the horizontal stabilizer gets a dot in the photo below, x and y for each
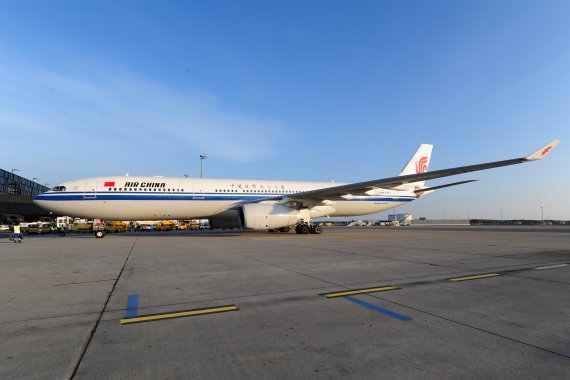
(420, 191)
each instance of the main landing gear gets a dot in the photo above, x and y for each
(305, 228)
(302, 229)
(99, 234)
(282, 229)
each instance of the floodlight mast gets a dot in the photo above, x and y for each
(202, 158)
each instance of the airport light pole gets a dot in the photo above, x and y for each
(501, 213)
(15, 170)
(542, 214)
(202, 158)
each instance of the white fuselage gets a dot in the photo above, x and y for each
(154, 198)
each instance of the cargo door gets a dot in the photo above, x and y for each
(198, 191)
(90, 191)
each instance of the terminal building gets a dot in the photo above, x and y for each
(16, 198)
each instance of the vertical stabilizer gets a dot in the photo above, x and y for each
(419, 162)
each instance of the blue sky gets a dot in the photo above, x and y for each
(294, 90)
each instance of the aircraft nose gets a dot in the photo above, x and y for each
(40, 201)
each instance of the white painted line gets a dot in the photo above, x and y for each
(551, 266)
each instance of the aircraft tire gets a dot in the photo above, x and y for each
(99, 234)
(285, 229)
(317, 230)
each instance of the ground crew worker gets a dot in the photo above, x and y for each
(17, 233)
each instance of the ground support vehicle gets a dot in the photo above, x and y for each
(115, 226)
(81, 227)
(166, 225)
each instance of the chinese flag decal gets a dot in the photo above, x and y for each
(109, 184)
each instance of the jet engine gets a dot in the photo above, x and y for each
(227, 219)
(263, 216)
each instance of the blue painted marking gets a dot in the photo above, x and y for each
(124, 196)
(132, 306)
(379, 309)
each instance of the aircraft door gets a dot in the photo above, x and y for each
(198, 191)
(90, 190)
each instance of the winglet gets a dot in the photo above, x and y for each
(539, 154)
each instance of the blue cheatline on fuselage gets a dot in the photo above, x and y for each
(177, 196)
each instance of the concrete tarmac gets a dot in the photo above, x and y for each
(62, 301)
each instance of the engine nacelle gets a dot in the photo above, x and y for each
(226, 219)
(263, 216)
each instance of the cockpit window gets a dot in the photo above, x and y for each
(58, 188)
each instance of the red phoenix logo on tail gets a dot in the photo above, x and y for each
(422, 165)
(546, 150)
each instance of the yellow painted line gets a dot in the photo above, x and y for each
(360, 291)
(178, 314)
(552, 266)
(474, 277)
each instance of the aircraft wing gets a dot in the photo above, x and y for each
(314, 197)
(362, 187)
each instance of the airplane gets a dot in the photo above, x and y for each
(253, 204)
